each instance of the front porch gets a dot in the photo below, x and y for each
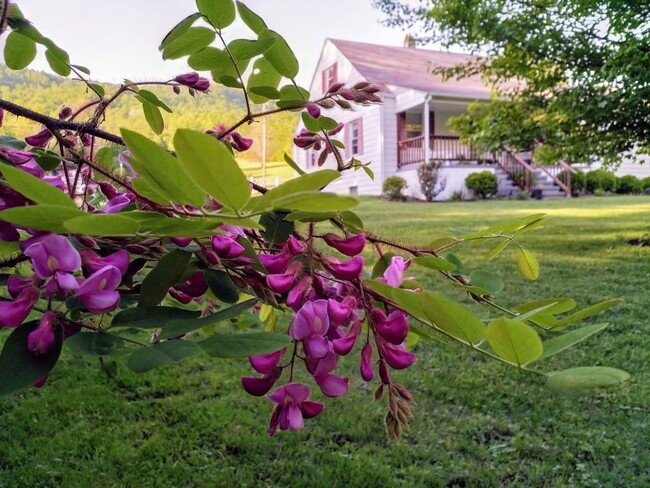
(441, 147)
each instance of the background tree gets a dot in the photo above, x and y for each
(570, 74)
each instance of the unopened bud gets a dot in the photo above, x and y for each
(335, 87)
(379, 392)
(176, 89)
(188, 79)
(65, 112)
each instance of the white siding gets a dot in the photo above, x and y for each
(454, 177)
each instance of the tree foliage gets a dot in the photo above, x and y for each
(569, 74)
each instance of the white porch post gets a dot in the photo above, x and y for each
(426, 129)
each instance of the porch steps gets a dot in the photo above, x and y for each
(508, 189)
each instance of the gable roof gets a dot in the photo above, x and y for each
(409, 67)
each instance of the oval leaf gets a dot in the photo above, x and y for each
(19, 51)
(34, 188)
(221, 285)
(527, 264)
(220, 13)
(514, 341)
(165, 352)
(244, 345)
(579, 380)
(167, 273)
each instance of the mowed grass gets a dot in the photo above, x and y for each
(478, 422)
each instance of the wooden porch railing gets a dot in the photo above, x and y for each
(561, 174)
(520, 172)
(410, 151)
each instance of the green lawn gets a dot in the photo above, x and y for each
(478, 422)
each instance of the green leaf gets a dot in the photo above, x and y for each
(153, 98)
(451, 317)
(211, 165)
(490, 282)
(308, 182)
(34, 188)
(193, 40)
(167, 273)
(18, 366)
(12, 142)
(220, 13)
(162, 170)
(7, 249)
(263, 82)
(99, 89)
(276, 229)
(560, 305)
(527, 264)
(243, 49)
(177, 327)
(153, 117)
(580, 380)
(58, 61)
(244, 345)
(102, 225)
(251, 19)
(46, 159)
(310, 216)
(41, 217)
(560, 343)
(97, 344)
(435, 263)
(151, 317)
(352, 221)
(290, 95)
(19, 51)
(147, 358)
(514, 341)
(83, 69)
(221, 285)
(584, 313)
(311, 124)
(293, 164)
(408, 301)
(280, 55)
(250, 253)
(180, 29)
(314, 201)
(496, 250)
(210, 59)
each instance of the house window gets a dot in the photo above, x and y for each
(353, 190)
(312, 159)
(354, 137)
(414, 124)
(329, 77)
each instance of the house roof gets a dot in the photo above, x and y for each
(410, 67)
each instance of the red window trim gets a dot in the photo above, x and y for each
(335, 77)
(348, 138)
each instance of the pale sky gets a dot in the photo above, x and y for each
(119, 39)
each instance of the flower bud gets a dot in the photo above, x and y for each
(188, 79)
(202, 84)
(40, 339)
(86, 140)
(65, 112)
(313, 109)
(383, 373)
(240, 143)
(338, 129)
(295, 246)
(176, 89)
(40, 139)
(366, 362)
(350, 246)
(327, 103)
(281, 283)
(346, 270)
(335, 87)
(181, 241)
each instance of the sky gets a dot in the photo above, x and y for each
(119, 39)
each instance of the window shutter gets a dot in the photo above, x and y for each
(401, 126)
(360, 132)
(346, 137)
(324, 81)
(335, 74)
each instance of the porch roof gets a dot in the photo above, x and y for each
(409, 67)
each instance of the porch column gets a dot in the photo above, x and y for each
(426, 129)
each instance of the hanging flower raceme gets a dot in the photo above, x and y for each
(236, 140)
(292, 406)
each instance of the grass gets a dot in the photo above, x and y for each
(274, 169)
(478, 422)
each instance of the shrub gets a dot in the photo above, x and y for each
(578, 180)
(393, 187)
(431, 183)
(645, 184)
(522, 195)
(483, 184)
(601, 179)
(457, 196)
(628, 185)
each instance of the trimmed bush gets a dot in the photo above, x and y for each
(431, 183)
(601, 179)
(645, 184)
(483, 184)
(393, 187)
(628, 185)
(578, 180)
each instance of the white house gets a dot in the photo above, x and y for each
(410, 126)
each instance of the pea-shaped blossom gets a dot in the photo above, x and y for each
(310, 325)
(350, 246)
(53, 254)
(40, 339)
(293, 405)
(394, 274)
(12, 314)
(98, 293)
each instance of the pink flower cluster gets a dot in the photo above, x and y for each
(325, 327)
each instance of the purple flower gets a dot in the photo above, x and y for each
(258, 386)
(310, 325)
(202, 84)
(93, 262)
(265, 363)
(239, 142)
(53, 254)
(40, 339)
(394, 274)
(346, 270)
(65, 112)
(15, 156)
(292, 407)
(12, 314)
(8, 232)
(350, 246)
(187, 79)
(276, 263)
(122, 159)
(181, 241)
(393, 328)
(40, 139)
(396, 355)
(114, 205)
(281, 283)
(97, 291)
(296, 295)
(366, 362)
(332, 385)
(296, 247)
(55, 181)
(344, 345)
(194, 287)
(226, 247)
(313, 109)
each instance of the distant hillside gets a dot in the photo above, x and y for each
(47, 93)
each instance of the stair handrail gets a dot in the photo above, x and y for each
(566, 186)
(529, 170)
